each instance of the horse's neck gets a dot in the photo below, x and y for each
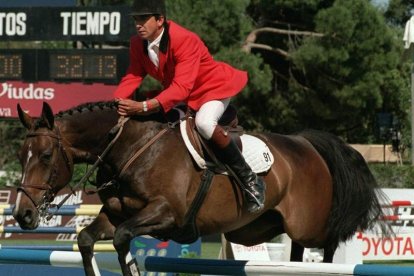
(87, 138)
(139, 138)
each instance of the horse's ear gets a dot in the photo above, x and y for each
(25, 119)
(47, 115)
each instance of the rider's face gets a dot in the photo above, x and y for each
(148, 26)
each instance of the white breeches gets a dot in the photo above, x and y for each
(208, 115)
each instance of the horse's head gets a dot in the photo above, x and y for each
(47, 167)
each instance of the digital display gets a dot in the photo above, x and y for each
(11, 66)
(64, 65)
(101, 67)
(83, 66)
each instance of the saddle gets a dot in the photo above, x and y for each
(228, 121)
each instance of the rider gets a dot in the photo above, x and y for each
(182, 63)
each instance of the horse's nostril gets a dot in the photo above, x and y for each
(28, 216)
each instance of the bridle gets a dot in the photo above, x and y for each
(48, 186)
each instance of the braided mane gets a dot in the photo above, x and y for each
(91, 106)
(111, 105)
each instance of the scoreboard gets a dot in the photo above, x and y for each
(64, 77)
(79, 65)
(84, 24)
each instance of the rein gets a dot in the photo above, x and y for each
(118, 129)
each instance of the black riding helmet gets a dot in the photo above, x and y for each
(146, 7)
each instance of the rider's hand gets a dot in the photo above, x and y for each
(128, 107)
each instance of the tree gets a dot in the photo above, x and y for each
(399, 11)
(11, 135)
(397, 15)
(334, 63)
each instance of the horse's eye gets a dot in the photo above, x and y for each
(46, 156)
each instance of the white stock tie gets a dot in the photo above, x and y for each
(153, 54)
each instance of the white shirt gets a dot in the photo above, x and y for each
(153, 49)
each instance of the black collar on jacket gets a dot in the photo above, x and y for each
(163, 43)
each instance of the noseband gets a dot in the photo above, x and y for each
(48, 186)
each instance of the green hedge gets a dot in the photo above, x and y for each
(393, 176)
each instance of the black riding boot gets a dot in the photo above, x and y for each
(253, 186)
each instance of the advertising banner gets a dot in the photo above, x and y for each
(60, 96)
(400, 246)
(8, 197)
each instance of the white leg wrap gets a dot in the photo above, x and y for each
(132, 264)
(95, 267)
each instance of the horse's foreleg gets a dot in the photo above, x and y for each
(154, 219)
(100, 229)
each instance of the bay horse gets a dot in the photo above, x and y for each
(320, 190)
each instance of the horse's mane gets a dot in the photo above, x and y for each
(111, 105)
(90, 106)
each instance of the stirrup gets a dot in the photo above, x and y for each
(253, 204)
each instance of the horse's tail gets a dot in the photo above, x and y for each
(357, 199)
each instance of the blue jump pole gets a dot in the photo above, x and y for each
(65, 210)
(41, 230)
(69, 247)
(13, 256)
(41, 247)
(105, 261)
(227, 267)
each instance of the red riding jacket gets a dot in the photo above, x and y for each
(186, 70)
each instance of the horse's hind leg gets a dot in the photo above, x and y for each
(296, 253)
(100, 229)
(328, 254)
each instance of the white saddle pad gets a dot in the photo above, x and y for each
(255, 152)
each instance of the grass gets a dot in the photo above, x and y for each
(210, 250)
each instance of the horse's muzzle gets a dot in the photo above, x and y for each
(27, 218)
